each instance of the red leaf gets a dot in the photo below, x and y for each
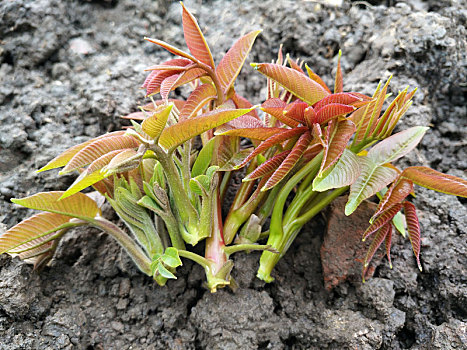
(175, 63)
(242, 102)
(197, 99)
(275, 107)
(194, 38)
(168, 84)
(262, 133)
(272, 141)
(395, 194)
(384, 218)
(338, 142)
(297, 83)
(296, 110)
(331, 111)
(434, 180)
(339, 82)
(413, 228)
(268, 167)
(289, 162)
(316, 78)
(345, 98)
(171, 49)
(383, 232)
(388, 247)
(310, 117)
(231, 64)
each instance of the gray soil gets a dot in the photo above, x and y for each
(69, 69)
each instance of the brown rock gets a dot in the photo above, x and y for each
(343, 251)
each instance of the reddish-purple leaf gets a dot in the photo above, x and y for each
(153, 85)
(383, 232)
(413, 228)
(98, 148)
(338, 142)
(331, 111)
(388, 247)
(197, 99)
(168, 84)
(317, 78)
(275, 107)
(195, 40)
(274, 140)
(296, 110)
(171, 49)
(395, 194)
(345, 98)
(261, 133)
(176, 64)
(339, 82)
(295, 64)
(268, 167)
(297, 83)
(242, 102)
(231, 64)
(309, 116)
(434, 180)
(186, 77)
(289, 162)
(384, 218)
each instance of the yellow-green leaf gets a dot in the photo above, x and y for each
(33, 232)
(184, 130)
(78, 205)
(154, 125)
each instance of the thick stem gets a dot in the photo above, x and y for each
(130, 246)
(291, 229)
(215, 243)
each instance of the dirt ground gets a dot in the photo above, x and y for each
(69, 69)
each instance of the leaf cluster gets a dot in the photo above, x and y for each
(167, 175)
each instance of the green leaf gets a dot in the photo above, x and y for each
(372, 179)
(235, 160)
(162, 270)
(204, 158)
(399, 223)
(397, 145)
(343, 173)
(232, 62)
(154, 125)
(171, 257)
(293, 81)
(184, 130)
(78, 205)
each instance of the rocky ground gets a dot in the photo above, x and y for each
(69, 69)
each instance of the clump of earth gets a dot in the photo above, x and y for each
(69, 70)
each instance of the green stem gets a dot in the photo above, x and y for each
(292, 227)
(194, 257)
(130, 246)
(275, 230)
(247, 246)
